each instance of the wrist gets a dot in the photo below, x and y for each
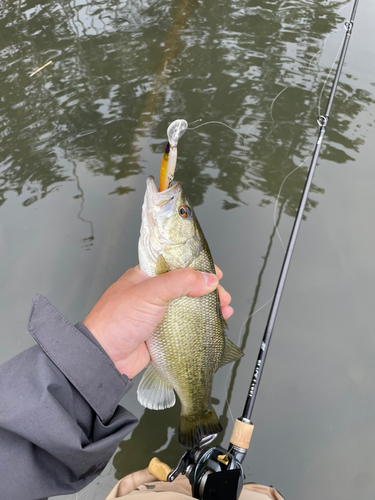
(128, 363)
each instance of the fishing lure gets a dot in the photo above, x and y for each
(168, 164)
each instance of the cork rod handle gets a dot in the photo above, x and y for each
(241, 434)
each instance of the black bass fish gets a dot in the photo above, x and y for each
(189, 345)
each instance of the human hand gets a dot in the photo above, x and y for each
(129, 311)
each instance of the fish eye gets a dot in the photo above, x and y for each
(184, 211)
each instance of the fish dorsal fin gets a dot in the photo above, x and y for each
(154, 392)
(161, 266)
(231, 352)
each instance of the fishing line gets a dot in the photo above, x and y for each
(273, 102)
(285, 178)
(319, 102)
(329, 74)
(195, 121)
(296, 86)
(244, 137)
(273, 121)
(278, 197)
(220, 123)
(326, 38)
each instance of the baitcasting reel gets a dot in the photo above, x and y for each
(216, 473)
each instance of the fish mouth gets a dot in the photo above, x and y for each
(160, 204)
(154, 196)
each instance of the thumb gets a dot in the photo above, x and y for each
(162, 289)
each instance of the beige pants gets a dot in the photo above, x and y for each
(143, 486)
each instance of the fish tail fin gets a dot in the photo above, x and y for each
(193, 429)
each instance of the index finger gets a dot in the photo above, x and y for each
(159, 290)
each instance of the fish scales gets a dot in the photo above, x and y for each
(185, 319)
(189, 345)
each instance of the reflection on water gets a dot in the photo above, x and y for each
(88, 241)
(159, 427)
(121, 70)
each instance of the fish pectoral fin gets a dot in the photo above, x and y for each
(154, 392)
(161, 266)
(231, 352)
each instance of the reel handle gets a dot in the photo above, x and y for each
(159, 469)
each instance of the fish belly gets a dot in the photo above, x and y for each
(186, 350)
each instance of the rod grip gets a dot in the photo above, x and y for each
(241, 434)
(159, 469)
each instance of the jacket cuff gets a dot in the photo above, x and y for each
(80, 358)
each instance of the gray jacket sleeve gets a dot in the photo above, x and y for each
(60, 422)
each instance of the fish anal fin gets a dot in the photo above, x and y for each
(223, 322)
(161, 266)
(154, 392)
(231, 353)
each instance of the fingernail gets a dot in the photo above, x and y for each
(210, 279)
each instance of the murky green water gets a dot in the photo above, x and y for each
(78, 140)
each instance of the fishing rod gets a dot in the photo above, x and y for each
(322, 122)
(216, 473)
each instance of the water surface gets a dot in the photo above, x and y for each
(78, 140)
